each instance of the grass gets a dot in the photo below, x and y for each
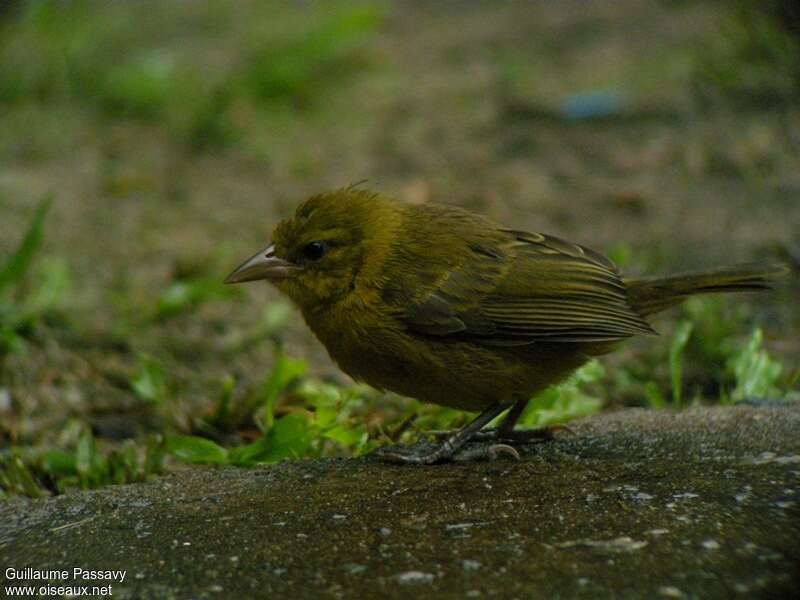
(757, 375)
(69, 52)
(755, 60)
(750, 373)
(36, 472)
(20, 309)
(568, 401)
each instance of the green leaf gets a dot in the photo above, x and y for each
(620, 254)
(53, 284)
(591, 372)
(222, 410)
(58, 463)
(140, 87)
(16, 477)
(290, 437)
(84, 453)
(123, 464)
(756, 373)
(654, 396)
(325, 399)
(187, 294)
(300, 69)
(567, 401)
(195, 449)
(16, 267)
(10, 341)
(154, 456)
(348, 436)
(676, 347)
(179, 296)
(284, 371)
(149, 381)
(276, 316)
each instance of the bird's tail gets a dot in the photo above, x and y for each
(652, 295)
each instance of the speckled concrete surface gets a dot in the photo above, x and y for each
(699, 504)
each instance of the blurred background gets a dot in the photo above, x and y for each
(147, 147)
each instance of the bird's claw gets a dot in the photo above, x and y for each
(486, 452)
(495, 450)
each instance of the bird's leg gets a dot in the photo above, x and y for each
(506, 432)
(508, 424)
(491, 434)
(451, 445)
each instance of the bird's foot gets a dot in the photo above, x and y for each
(448, 449)
(473, 452)
(412, 458)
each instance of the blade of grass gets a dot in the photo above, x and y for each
(18, 264)
(675, 365)
(285, 371)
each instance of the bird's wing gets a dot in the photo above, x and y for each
(528, 288)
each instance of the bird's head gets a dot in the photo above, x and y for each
(318, 255)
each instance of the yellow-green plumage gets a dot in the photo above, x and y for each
(446, 306)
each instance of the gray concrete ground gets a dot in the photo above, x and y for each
(700, 504)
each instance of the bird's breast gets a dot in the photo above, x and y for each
(377, 349)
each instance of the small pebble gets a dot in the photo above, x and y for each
(415, 577)
(711, 545)
(354, 568)
(670, 591)
(470, 565)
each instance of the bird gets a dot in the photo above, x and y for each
(444, 305)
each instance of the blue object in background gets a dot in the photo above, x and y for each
(592, 105)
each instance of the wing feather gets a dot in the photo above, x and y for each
(528, 288)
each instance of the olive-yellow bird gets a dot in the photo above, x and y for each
(448, 307)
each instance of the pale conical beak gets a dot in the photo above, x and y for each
(263, 265)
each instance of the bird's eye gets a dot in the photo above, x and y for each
(314, 250)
